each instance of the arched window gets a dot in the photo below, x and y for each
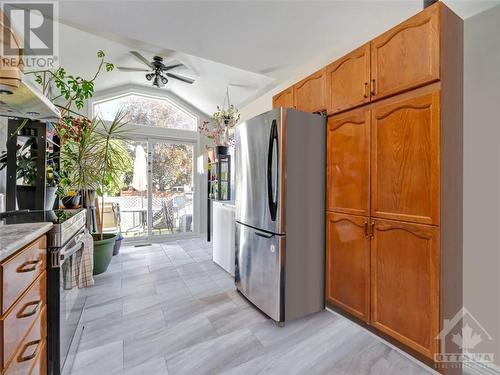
(146, 111)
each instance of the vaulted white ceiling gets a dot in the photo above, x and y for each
(249, 45)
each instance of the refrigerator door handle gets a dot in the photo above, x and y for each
(265, 235)
(272, 189)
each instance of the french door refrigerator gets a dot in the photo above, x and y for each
(280, 212)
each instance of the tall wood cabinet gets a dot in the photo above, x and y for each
(405, 57)
(307, 95)
(284, 99)
(394, 180)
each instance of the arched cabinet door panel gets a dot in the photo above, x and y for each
(407, 56)
(347, 81)
(405, 283)
(284, 99)
(348, 162)
(405, 159)
(348, 264)
(309, 94)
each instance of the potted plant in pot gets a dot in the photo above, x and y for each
(224, 121)
(94, 159)
(26, 171)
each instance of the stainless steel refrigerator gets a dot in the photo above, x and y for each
(280, 212)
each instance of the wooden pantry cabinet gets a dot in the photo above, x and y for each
(405, 158)
(394, 182)
(348, 162)
(11, 67)
(348, 263)
(405, 57)
(405, 283)
(309, 94)
(284, 99)
(348, 80)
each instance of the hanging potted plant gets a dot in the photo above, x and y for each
(224, 121)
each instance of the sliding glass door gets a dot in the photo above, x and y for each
(157, 196)
(171, 188)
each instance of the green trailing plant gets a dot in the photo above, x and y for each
(69, 92)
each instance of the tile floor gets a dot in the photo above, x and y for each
(168, 309)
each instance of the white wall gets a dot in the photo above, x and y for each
(482, 171)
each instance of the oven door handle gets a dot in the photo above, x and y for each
(58, 257)
(63, 255)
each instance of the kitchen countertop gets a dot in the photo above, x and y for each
(14, 237)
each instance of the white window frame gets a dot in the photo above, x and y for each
(154, 133)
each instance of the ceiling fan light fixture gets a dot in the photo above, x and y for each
(149, 76)
(156, 82)
(164, 80)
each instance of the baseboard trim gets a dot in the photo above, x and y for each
(392, 346)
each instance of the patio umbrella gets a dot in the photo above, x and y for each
(140, 176)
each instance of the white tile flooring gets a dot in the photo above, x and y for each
(168, 309)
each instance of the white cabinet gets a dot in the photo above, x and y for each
(223, 241)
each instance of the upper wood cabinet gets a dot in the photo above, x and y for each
(405, 283)
(347, 81)
(309, 94)
(284, 99)
(406, 56)
(348, 162)
(11, 71)
(348, 263)
(405, 159)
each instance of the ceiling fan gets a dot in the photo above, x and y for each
(157, 70)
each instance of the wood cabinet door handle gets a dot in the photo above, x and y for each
(365, 94)
(373, 230)
(23, 314)
(24, 358)
(367, 235)
(373, 87)
(28, 266)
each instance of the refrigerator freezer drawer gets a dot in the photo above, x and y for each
(258, 269)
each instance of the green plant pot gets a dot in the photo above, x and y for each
(103, 251)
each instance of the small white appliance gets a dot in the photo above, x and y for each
(223, 241)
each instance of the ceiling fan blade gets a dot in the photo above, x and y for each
(142, 59)
(169, 67)
(181, 78)
(125, 69)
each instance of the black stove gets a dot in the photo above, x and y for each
(65, 303)
(67, 223)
